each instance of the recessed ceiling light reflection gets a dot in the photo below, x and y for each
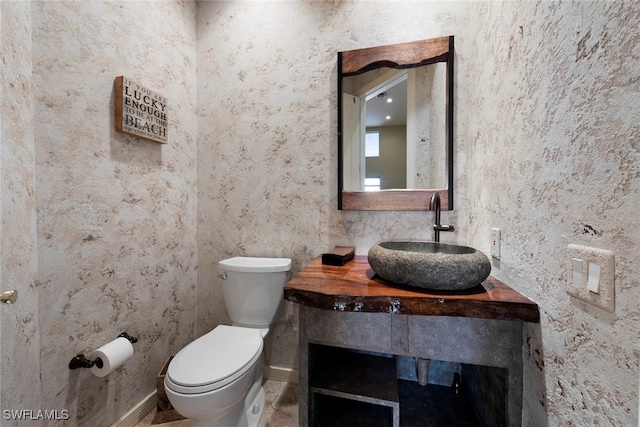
(388, 117)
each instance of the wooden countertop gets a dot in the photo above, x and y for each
(354, 287)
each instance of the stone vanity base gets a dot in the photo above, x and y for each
(488, 351)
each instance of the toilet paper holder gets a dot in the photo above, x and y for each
(80, 361)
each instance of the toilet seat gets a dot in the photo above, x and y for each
(256, 265)
(214, 360)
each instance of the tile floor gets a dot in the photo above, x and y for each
(281, 409)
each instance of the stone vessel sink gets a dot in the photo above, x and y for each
(429, 265)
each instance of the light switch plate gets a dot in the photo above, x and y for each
(604, 258)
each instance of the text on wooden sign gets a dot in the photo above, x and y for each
(140, 111)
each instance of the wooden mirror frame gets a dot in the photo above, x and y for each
(402, 55)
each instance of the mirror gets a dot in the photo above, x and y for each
(395, 126)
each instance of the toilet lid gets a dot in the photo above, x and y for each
(215, 359)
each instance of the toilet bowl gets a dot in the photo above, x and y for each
(216, 380)
(209, 380)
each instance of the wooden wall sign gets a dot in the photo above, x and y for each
(140, 111)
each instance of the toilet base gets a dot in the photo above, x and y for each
(248, 415)
(255, 410)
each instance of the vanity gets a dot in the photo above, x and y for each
(354, 326)
(373, 353)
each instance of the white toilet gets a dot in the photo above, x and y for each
(216, 381)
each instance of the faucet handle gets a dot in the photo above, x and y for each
(443, 227)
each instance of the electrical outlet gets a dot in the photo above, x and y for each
(591, 276)
(495, 243)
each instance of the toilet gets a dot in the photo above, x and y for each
(216, 380)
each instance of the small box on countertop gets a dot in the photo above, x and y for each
(340, 255)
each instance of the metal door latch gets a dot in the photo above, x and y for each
(9, 297)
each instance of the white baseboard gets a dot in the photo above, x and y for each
(277, 373)
(138, 412)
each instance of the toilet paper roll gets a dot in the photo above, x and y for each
(112, 354)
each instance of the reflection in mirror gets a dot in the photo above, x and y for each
(396, 126)
(392, 156)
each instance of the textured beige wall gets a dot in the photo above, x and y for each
(116, 214)
(554, 159)
(19, 338)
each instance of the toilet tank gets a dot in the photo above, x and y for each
(253, 289)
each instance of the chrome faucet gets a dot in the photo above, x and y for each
(434, 205)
